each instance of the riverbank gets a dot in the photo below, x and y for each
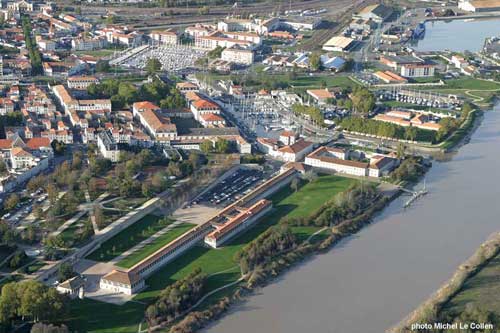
(429, 311)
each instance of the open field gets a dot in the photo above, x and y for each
(129, 237)
(482, 289)
(476, 89)
(127, 317)
(155, 245)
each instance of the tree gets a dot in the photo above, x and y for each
(400, 153)
(99, 216)
(153, 65)
(363, 100)
(52, 193)
(111, 19)
(411, 133)
(102, 66)
(315, 61)
(294, 185)
(3, 167)
(18, 259)
(206, 146)
(30, 300)
(222, 146)
(65, 272)
(59, 147)
(11, 201)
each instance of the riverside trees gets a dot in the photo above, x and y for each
(176, 298)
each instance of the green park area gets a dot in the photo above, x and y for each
(480, 291)
(478, 90)
(218, 264)
(129, 237)
(155, 245)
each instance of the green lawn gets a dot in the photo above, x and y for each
(461, 85)
(88, 315)
(104, 318)
(483, 289)
(155, 245)
(34, 266)
(129, 237)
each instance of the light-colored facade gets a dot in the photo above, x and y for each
(421, 70)
(238, 55)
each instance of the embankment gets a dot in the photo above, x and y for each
(428, 311)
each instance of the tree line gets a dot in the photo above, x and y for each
(176, 298)
(311, 112)
(274, 240)
(33, 52)
(380, 128)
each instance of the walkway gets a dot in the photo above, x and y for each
(145, 242)
(84, 208)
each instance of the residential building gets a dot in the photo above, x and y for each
(238, 55)
(165, 37)
(108, 147)
(81, 82)
(204, 106)
(418, 70)
(160, 127)
(73, 287)
(122, 282)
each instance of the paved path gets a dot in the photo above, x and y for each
(145, 242)
(84, 208)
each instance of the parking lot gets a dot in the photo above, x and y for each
(25, 207)
(233, 187)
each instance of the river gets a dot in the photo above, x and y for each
(372, 280)
(458, 35)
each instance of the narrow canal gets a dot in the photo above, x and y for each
(370, 281)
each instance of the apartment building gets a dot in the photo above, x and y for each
(81, 82)
(238, 55)
(160, 127)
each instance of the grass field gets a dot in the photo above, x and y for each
(129, 237)
(106, 318)
(483, 289)
(460, 86)
(155, 245)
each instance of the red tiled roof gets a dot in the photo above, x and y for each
(37, 143)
